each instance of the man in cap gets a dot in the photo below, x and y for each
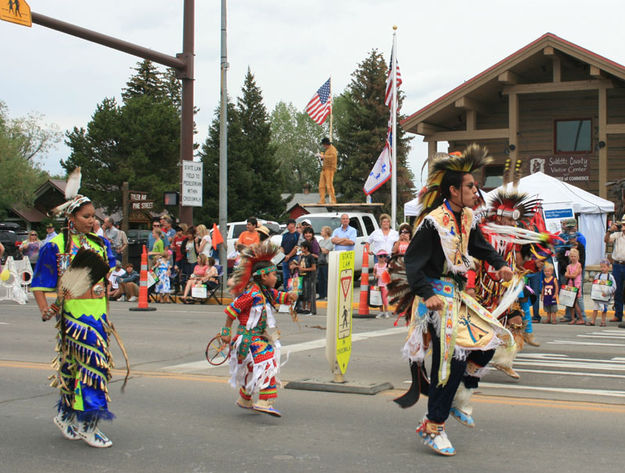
(50, 233)
(326, 179)
(616, 235)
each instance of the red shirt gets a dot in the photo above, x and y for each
(177, 243)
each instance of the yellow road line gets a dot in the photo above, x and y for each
(479, 398)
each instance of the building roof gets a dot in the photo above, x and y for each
(28, 214)
(519, 64)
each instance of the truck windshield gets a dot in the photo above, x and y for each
(319, 222)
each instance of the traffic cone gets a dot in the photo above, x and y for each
(143, 284)
(363, 305)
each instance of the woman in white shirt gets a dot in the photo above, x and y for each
(203, 244)
(383, 238)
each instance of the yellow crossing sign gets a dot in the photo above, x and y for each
(16, 11)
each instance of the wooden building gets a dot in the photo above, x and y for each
(556, 106)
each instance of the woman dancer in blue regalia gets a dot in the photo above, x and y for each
(83, 361)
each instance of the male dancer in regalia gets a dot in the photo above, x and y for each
(442, 315)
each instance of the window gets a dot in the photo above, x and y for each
(368, 224)
(354, 222)
(493, 177)
(573, 136)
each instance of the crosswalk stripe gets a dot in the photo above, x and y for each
(288, 349)
(575, 342)
(592, 392)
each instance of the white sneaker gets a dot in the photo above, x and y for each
(132, 299)
(93, 436)
(67, 426)
(122, 298)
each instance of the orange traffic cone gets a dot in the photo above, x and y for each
(143, 284)
(363, 305)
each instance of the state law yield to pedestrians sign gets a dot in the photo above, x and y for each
(340, 296)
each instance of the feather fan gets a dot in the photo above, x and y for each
(399, 290)
(86, 269)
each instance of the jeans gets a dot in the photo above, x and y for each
(618, 271)
(322, 283)
(534, 281)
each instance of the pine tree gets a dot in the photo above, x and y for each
(138, 142)
(257, 152)
(253, 177)
(146, 81)
(361, 126)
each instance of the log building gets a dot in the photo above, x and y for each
(556, 106)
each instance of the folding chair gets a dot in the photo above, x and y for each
(212, 293)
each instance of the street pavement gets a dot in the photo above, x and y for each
(178, 414)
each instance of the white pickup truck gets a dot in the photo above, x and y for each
(364, 223)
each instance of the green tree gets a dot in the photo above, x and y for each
(253, 175)
(147, 80)
(138, 142)
(22, 141)
(361, 125)
(296, 139)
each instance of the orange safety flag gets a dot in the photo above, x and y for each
(217, 238)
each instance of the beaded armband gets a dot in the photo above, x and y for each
(225, 331)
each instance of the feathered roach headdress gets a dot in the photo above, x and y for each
(250, 257)
(72, 197)
(511, 203)
(474, 157)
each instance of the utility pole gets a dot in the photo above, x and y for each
(223, 147)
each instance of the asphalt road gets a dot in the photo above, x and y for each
(178, 413)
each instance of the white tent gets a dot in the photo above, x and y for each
(591, 210)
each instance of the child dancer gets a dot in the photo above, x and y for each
(255, 356)
(549, 294)
(574, 276)
(607, 291)
(380, 271)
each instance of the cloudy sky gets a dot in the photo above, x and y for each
(290, 46)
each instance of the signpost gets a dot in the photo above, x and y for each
(192, 174)
(140, 207)
(16, 11)
(339, 313)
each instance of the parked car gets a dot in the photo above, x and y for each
(364, 223)
(136, 240)
(236, 228)
(11, 237)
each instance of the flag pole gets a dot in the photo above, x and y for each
(393, 132)
(331, 109)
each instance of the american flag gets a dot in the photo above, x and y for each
(320, 105)
(388, 96)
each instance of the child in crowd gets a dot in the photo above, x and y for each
(162, 270)
(308, 270)
(549, 294)
(608, 288)
(380, 271)
(574, 276)
(401, 245)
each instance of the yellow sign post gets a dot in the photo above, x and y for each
(340, 296)
(16, 11)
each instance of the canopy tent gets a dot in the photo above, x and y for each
(591, 210)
